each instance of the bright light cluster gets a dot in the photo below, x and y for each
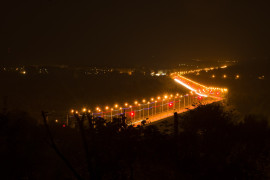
(197, 71)
(126, 105)
(144, 104)
(199, 89)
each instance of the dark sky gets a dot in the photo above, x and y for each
(131, 32)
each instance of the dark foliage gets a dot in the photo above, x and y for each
(212, 143)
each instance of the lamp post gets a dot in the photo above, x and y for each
(165, 97)
(111, 113)
(136, 102)
(106, 108)
(126, 105)
(97, 110)
(116, 106)
(155, 107)
(143, 107)
(152, 99)
(148, 107)
(158, 100)
(162, 106)
(139, 111)
(174, 102)
(101, 113)
(168, 105)
(179, 102)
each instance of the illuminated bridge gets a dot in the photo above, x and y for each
(160, 107)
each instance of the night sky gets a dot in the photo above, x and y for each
(131, 32)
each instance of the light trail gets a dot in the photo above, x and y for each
(190, 88)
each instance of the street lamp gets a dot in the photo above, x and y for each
(165, 99)
(143, 107)
(102, 114)
(174, 103)
(179, 102)
(148, 107)
(126, 105)
(155, 107)
(116, 106)
(162, 106)
(111, 113)
(152, 106)
(158, 99)
(106, 108)
(139, 111)
(131, 112)
(152, 99)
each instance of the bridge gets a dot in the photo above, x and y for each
(161, 107)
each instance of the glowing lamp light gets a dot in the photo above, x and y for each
(132, 114)
(170, 104)
(64, 125)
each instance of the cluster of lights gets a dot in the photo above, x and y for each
(197, 71)
(225, 76)
(200, 90)
(126, 105)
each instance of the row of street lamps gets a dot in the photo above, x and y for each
(153, 104)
